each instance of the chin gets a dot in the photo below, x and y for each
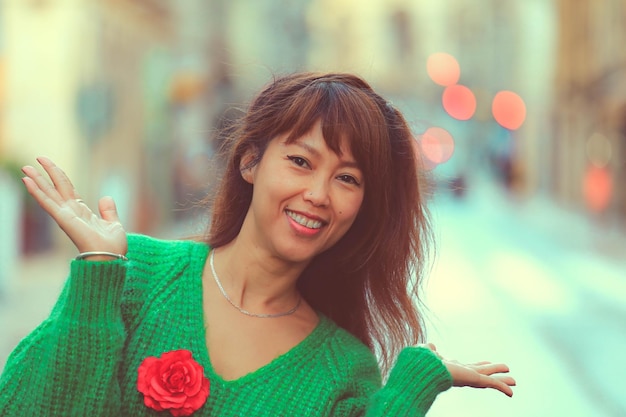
(298, 258)
(295, 256)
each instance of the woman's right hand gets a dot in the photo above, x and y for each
(61, 201)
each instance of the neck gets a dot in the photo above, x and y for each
(255, 281)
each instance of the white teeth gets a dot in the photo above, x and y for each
(311, 224)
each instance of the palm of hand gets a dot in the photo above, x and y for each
(61, 201)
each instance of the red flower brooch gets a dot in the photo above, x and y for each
(173, 382)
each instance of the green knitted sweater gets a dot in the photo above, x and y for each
(83, 359)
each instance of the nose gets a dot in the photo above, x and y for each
(317, 193)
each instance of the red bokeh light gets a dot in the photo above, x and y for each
(508, 109)
(423, 161)
(443, 69)
(597, 188)
(459, 102)
(437, 145)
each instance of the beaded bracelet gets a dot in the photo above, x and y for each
(84, 255)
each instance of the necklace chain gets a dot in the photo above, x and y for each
(241, 310)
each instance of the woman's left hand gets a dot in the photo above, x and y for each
(478, 375)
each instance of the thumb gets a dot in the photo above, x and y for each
(108, 210)
(432, 348)
(429, 346)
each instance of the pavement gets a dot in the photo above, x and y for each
(539, 288)
(29, 296)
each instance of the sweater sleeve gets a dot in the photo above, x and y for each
(413, 384)
(68, 365)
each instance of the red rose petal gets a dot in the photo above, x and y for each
(143, 372)
(157, 389)
(173, 401)
(152, 403)
(176, 379)
(192, 389)
(183, 411)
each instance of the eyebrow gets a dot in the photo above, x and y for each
(316, 153)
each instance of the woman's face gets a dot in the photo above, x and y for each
(305, 197)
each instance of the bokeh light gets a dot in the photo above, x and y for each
(508, 109)
(459, 102)
(443, 69)
(423, 161)
(599, 150)
(597, 188)
(437, 145)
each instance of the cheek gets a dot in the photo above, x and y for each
(350, 208)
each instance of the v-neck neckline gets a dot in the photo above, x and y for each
(199, 257)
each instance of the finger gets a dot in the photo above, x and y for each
(61, 182)
(504, 388)
(501, 384)
(507, 380)
(428, 346)
(491, 368)
(44, 200)
(108, 209)
(41, 184)
(81, 201)
(504, 384)
(46, 194)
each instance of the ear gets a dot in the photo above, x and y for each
(246, 168)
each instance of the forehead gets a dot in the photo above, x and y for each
(316, 143)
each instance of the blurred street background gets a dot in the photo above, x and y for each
(519, 114)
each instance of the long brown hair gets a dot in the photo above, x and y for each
(368, 282)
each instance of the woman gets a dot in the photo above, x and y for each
(312, 258)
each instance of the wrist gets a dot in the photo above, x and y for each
(100, 256)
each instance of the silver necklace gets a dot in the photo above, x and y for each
(241, 310)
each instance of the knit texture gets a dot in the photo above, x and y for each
(83, 360)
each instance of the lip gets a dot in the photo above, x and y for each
(303, 230)
(309, 215)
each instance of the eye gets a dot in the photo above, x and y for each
(298, 160)
(349, 179)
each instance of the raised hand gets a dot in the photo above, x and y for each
(60, 200)
(478, 375)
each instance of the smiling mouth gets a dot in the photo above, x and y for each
(304, 221)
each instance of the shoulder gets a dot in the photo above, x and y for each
(151, 259)
(154, 264)
(142, 247)
(150, 255)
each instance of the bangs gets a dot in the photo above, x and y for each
(346, 113)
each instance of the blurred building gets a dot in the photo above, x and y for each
(116, 93)
(263, 38)
(589, 115)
